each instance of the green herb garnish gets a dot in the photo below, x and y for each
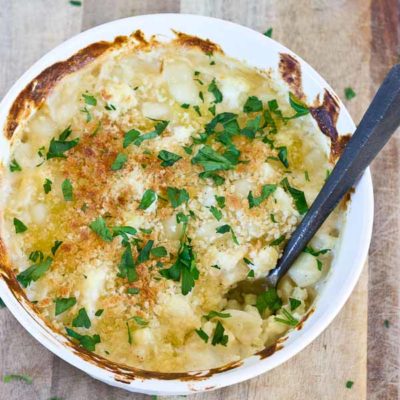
(19, 226)
(219, 336)
(55, 247)
(168, 158)
(99, 226)
(294, 303)
(64, 304)
(213, 88)
(14, 166)
(252, 104)
(268, 33)
(160, 251)
(297, 195)
(269, 299)
(288, 320)
(119, 161)
(282, 155)
(34, 272)
(266, 191)
(213, 314)
(220, 201)
(61, 145)
(82, 320)
(47, 185)
(216, 213)
(86, 341)
(227, 228)
(349, 93)
(89, 100)
(148, 198)
(16, 377)
(177, 196)
(203, 336)
(67, 190)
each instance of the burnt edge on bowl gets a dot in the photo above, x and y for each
(35, 94)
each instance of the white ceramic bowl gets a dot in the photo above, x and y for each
(257, 50)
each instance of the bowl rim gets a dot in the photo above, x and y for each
(363, 192)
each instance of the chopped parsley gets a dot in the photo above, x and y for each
(294, 303)
(297, 195)
(220, 201)
(110, 107)
(315, 253)
(61, 145)
(349, 93)
(130, 137)
(213, 314)
(86, 111)
(203, 336)
(197, 109)
(123, 231)
(266, 191)
(89, 100)
(2, 304)
(252, 104)
(213, 88)
(148, 198)
(227, 228)
(288, 320)
(306, 176)
(247, 261)
(386, 323)
(47, 185)
(212, 109)
(64, 304)
(36, 255)
(56, 246)
(177, 196)
(14, 166)
(216, 266)
(127, 266)
(67, 190)
(119, 162)
(86, 341)
(216, 213)
(282, 155)
(168, 158)
(349, 384)
(278, 241)
(99, 226)
(16, 377)
(201, 96)
(144, 253)
(185, 106)
(268, 32)
(19, 226)
(34, 272)
(76, 3)
(133, 290)
(99, 312)
(272, 217)
(213, 161)
(268, 299)
(251, 273)
(160, 251)
(159, 128)
(219, 336)
(299, 106)
(82, 320)
(184, 268)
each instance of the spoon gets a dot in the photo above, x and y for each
(375, 129)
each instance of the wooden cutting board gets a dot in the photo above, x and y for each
(335, 37)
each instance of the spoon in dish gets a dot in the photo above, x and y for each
(375, 129)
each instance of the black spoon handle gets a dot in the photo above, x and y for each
(375, 129)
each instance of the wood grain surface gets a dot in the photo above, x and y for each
(351, 43)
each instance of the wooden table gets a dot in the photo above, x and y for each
(351, 43)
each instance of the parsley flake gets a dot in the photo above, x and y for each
(99, 226)
(47, 185)
(61, 145)
(14, 166)
(294, 303)
(119, 162)
(82, 320)
(268, 32)
(213, 314)
(19, 226)
(219, 336)
(203, 336)
(213, 88)
(177, 196)
(168, 158)
(297, 195)
(266, 191)
(16, 377)
(67, 190)
(349, 93)
(89, 100)
(268, 299)
(64, 304)
(252, 104)
(227, 228)
(148, 198)
(216, 213)
(34, 272)
(86, 341)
